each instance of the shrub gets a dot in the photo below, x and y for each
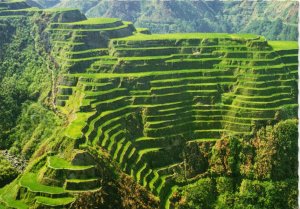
(267, 195)
(224, 184)
(285, 161)
(200, 195)
(224, 160)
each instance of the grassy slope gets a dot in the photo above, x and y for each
(29, 180)
(94, 21)
(60, 163)
(144, 37)
(279, 45)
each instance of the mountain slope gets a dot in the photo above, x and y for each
(110, 116)
(273, 19)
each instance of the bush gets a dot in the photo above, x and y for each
(224, 184)
(276, 151)
(200, 195)
(224, 160)
(267, 195)
(225, 201)
(285, 162)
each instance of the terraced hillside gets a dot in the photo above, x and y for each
(145, 98)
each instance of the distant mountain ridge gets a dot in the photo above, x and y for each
(276, 20)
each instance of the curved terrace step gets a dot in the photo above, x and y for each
(81, 184)
(47, 202)
(30, 186)
(71, 171)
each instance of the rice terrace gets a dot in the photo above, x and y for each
(104, 114)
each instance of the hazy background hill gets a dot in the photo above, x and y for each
(273, 19)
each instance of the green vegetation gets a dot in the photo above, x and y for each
(29, 181)
(257, 160)
(60, 163)
(7, 172)
(55, 202)
(111, 117)
(8, 195)
(21, 81)
(35, 124)
(59, 10)
(200, 195)
(176, 36)
(95, 21)
(283, 45)
(74, 129)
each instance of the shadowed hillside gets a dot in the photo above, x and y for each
(276, 20)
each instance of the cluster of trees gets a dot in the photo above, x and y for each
(23, 76)
(273, 30)
(35, 124)
(256, 173)
(223, 193)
